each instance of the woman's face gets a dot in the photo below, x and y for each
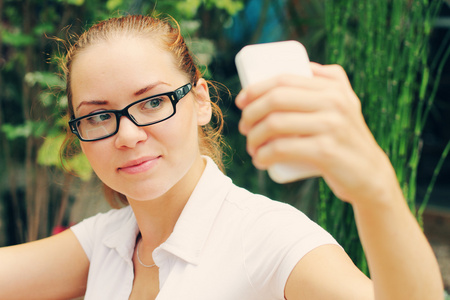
(142, 163)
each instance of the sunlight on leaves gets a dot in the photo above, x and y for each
(80, 165)
(48, 154)
(113, 4)
(44, 79)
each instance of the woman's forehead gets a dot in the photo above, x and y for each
(138, 51)
(123, 59)
(122, 69)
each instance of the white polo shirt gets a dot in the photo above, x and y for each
(228, 244)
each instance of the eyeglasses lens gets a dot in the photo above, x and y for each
(145, 112)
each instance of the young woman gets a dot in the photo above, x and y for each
(142, 111)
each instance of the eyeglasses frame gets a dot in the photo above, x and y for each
(174, 96)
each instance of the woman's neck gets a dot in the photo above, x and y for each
(156, 218)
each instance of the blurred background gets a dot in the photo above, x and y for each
(395, 52)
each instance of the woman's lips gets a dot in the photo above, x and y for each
(139, 165)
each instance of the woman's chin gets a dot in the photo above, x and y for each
(146, 195)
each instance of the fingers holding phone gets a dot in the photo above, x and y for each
(312, 124)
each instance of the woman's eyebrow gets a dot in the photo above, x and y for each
(137, 93)
(149, 87)
(92, 102)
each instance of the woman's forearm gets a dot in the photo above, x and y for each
(401, 261)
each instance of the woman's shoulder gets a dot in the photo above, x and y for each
(256, 204)
(262, 216)
(274, 237)
(112, 216)
(104, 222)
(103, 227)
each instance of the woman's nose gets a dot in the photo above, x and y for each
(129, 134)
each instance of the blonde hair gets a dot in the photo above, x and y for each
(169, 36)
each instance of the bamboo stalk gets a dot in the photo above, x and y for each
(437, 169)
(383, 45)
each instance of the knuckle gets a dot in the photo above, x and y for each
(338, 100)
(250, 139)
(329, 122)
(274, 99)
(251, 92)
(272, 123)
(333, 88)
(246, 116)
(326, 148)
(283, 80)
(277, 147)
(335, 123)
(337, 69)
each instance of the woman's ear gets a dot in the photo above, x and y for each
(203, 102)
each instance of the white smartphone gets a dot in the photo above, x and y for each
(264, 61)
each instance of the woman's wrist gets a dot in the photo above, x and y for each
(385, 195)
(382, 191)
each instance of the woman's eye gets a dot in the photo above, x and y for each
(98, 118)
(153, 103)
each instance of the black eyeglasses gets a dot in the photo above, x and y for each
(144, 112)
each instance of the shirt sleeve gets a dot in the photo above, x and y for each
(92, 230)
(275, 241)
(84, 231)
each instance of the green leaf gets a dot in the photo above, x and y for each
(76, 2)
(188, 8)
(113, 4)
(73, 2)
(62, 122)
(230, 6)
(63, 102)
(203, 49)
(47, 98)
(16, 39)
(48, 154)
(38, 128)
(12, 132)
(189, 27)
(25, 130)
(44, 79)
(40, 29)
(80, 165)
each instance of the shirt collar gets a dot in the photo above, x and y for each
(193, 225)
(124, 238)
(197, 218)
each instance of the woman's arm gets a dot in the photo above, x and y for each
(52, 268)
(401, 262)
(319, 121)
